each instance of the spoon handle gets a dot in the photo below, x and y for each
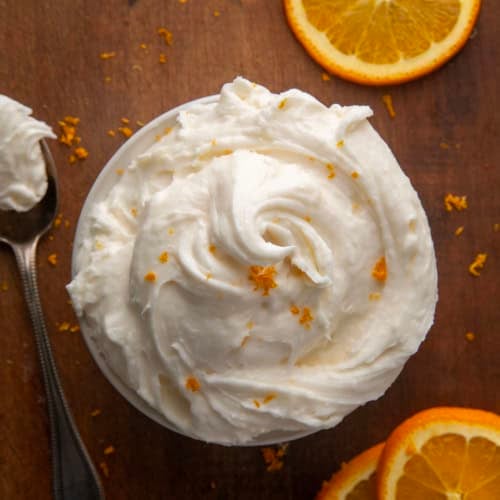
(74, 476)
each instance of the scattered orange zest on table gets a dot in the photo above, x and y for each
(52, 258)
(166, 35)
(387, 100)
(478, 263)
(107, 55)
(452, 201)
(273, 457)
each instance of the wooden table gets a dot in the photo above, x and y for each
(445, 135)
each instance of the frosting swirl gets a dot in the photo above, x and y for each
(265, 268)
(23, 179)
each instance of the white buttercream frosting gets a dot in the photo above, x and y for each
(23, 177)
(311, 194)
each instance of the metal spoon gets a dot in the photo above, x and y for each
(74, 476)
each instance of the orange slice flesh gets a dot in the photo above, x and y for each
(442, 454)
(355, 480)
(381, 42)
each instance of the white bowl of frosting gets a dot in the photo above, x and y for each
(251, 267)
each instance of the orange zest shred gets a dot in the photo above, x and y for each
(52, 258)
(256, 403)
(133, 211)
(374, 296)
(478, 263)
(379, 271)
(163, 258)
(126, 131)
(459, 230)
(273, 457)
(496, 227)
(306, 318)
(282, 103)
(216, 13)
(331, 170)
(325, 77)
(470, 336)
(387, 100)
(444, 145)
(268, 398)
(111, 133)
(72, 159)
(193, 384)
(452, 201)
(107, 55)
(64, 326)
(151, 277)
(166, 35)
(5, 286)
(104, 468)
(107, 79)
(81, 153)
(355, 175)
(263, 278)
(340, 144)
(74, 329)
(96, 412)
(249, 325)
(120, 171)
(109, 450)
(125, 121)
(162, 59)
(294, 309)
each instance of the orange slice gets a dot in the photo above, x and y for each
(442, 454)
(380, 42)
(355, 480)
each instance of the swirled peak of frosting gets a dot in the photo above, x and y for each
(262, 270)
(23, 178)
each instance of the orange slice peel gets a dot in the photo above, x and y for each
(385, 42)
(355, 480)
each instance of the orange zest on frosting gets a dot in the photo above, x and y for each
(163, 257)
(268, 398)
(193, 384)
(379, 271)
(263, 278)
(151, 277)
(306, 318)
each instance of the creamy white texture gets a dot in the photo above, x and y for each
(23, 178)
(258, 179)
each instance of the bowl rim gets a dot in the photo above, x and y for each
(138, 143)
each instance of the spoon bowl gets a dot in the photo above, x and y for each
(23, 227)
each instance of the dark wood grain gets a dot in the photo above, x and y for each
(49, 59)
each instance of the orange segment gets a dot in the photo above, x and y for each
(355, 480)
(442, 453)
(382, 42)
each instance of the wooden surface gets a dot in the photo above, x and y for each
(49, 60)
